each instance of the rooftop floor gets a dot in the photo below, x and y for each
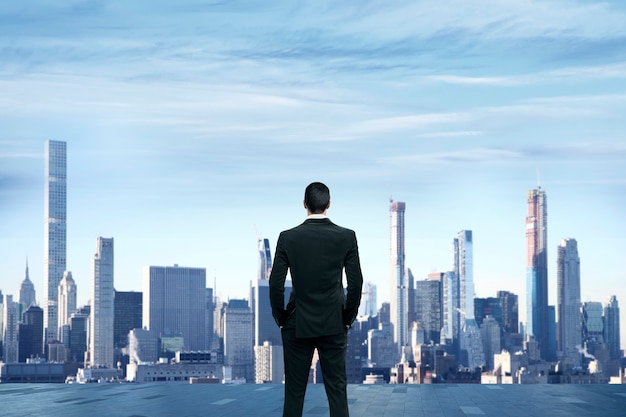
(450, 400)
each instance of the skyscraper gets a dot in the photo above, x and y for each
(611, 328)
(399, 287)
(66, 301)
(537, 270)
(265, 259)
(428, 306)
(9, 337)
(101, 321)
(450, 315)
(27, 291)
(30, 334)
(55, 230)
(128, 315)
(174, 303)
(471, 353)
(238, 344)
(569, 335)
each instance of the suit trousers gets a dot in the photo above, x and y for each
(298, 353)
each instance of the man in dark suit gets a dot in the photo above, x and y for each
(319, 313)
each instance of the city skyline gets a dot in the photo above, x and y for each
(183, 136)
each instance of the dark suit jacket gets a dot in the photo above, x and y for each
(316, 253)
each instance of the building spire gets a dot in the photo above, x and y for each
(538, 178)
(26, 278)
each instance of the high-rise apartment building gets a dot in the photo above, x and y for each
(490, 335)
(27, 291)
(399, 286)
(611, 328)
(537, 270)
(66, 302)
(55, 230)
(569, 337)
(101, 320)
(174, 303)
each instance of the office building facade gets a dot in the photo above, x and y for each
(31, 334)
(55, 230)
(428, 306)
(128, 315)
(174, 303)
(611, 328)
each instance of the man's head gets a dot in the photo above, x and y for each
(316, 198)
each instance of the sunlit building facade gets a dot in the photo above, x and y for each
(569, 337)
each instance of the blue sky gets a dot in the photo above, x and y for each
(191, 123)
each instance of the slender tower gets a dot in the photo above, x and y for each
(537, 270)
(103, 305)
(568, 289)
(55, 230)
(27, 291)
(399, 288)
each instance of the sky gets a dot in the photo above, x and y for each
(193, 127)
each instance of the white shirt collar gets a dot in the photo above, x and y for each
(317, 216)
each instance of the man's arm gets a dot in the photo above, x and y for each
(354, 277)
(277, 282)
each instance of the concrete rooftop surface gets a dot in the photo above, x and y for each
(450, 400)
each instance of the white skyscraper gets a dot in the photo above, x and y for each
(66, 300)
(368, 300)
(55, 230)
(569, 333)
(238, 341)
(174, 303)
(102, 305)
(398, 284)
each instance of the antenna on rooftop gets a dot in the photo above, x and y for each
(538, 178)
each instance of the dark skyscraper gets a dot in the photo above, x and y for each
(428, 307)
(127, 316)
(30, 335)
(611, 328)
(537, 318)
(510, 315)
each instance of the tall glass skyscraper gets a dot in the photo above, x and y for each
(399, 288)
(569, 336)
(55, 230)
(537, 270)
(101, 322)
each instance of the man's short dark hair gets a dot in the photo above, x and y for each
(316, 197)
